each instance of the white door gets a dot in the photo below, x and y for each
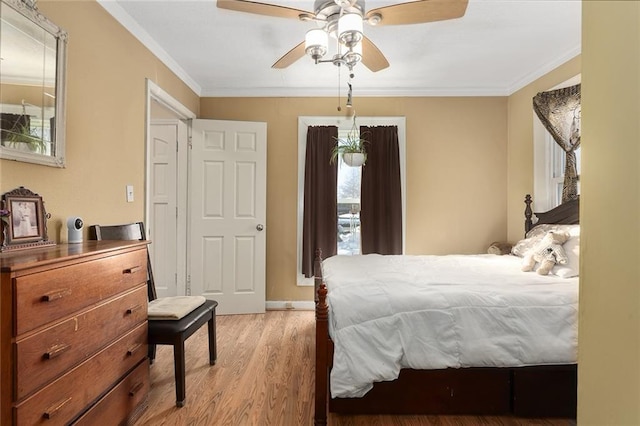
(227, 193)
(162, 225)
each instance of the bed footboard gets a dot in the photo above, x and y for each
(322, 345)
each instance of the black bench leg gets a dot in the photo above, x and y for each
(151, 353)
(178, 361)
(213, 354)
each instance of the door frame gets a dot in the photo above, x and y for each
(155, 93)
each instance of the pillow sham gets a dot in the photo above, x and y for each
(572, 267)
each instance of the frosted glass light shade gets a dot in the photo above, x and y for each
(353, 55)
(350, 29)
(316, 42)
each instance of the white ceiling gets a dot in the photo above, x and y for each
(496, 48)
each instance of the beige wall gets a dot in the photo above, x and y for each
(520, 136)
(15, 93)
(609, 351)
(456, 172)
(106, 73)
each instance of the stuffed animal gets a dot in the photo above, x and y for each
(547, 253)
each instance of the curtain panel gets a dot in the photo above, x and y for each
(320, 218)
(381, 194)
(12, 124)
(559, 112)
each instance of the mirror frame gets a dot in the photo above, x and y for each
(28, 9)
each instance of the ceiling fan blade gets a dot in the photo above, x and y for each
(372, 57)
(417, 12)
(261, 8)
(290, 57)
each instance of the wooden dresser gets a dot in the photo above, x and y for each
(73, 334)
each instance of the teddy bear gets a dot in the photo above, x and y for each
(547, 252)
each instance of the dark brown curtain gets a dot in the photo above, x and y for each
(559, 111)
(12, 123)
(52, 131)
(381, 197)
(320, 223)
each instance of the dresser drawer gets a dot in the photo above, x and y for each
(116, 406)
(62, 400)
(46, 296)
(48, 353)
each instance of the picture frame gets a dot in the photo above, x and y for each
(23, 220)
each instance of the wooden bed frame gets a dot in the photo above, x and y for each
(537, 391)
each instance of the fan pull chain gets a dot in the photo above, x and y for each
(339, 107)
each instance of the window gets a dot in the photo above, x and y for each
(558, 158)
(549, 161)
(348, 178)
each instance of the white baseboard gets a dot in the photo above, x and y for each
(285, 305)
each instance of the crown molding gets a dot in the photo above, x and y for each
(122, 17)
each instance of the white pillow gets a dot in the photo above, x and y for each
(572, 248)
(537, 233)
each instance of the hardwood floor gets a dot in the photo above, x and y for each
(265, 376)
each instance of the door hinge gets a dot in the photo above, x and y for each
(176, 145)
(176, 211)
(190, 140)
(188, 289)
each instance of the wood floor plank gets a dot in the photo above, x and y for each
(264, 375)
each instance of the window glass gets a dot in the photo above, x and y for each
(349, 184)
(558, 158)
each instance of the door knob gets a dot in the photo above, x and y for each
(259, 227)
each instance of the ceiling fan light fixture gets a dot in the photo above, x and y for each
(316, 42)
(353, 55)
(350, 29)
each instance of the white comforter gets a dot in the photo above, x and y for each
(434, 312)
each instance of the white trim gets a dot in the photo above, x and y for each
(166, 100)
(294, 92)
(131, 25)
(543, 70)
(284, 305)
(542, 167)
(345, 123)
(155, 93)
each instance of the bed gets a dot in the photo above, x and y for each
(458, 334)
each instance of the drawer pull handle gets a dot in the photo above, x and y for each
(134, 390)
(55, 409)
(56, 294)
(133, 309)
(132, 270)
(133, 349)
(56, 350)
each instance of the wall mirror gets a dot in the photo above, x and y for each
(32, 85)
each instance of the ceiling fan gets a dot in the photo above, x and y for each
(332, 15)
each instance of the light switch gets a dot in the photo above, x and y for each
(129, 193)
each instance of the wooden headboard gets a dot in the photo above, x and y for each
(566, 213)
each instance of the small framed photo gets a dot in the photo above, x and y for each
(23, 220)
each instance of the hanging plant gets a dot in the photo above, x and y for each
(352, 148)
(22, 134)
